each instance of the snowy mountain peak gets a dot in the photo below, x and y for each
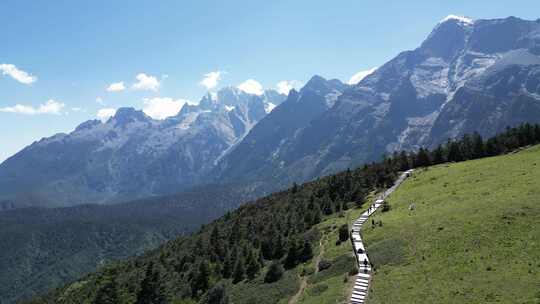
(459, 19)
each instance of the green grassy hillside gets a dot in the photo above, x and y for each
(471, 239)
(474, 236)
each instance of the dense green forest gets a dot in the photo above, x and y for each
(261, 240)
(45, 248)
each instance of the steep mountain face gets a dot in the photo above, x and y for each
(262, 149)
(466, 76)
(131, 155)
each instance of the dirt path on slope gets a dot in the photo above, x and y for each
(303, 279)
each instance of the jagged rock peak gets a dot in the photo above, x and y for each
(88, 124)
(127, 115)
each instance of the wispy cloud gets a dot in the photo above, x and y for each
(106, 113)
(285, 86)
(211, 79)
(356, 78)
(116, 87)
(146, 82)
(19, 75)
(251, 86)
(163, 107)
(50, 107)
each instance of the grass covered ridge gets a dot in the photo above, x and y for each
(474, 236)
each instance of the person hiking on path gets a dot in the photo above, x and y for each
(365, 265)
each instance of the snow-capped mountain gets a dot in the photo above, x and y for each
(132, 155)
(468, 75)
(265, 147)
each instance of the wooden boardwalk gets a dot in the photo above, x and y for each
(363, 278)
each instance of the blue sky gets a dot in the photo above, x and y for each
(58, 58)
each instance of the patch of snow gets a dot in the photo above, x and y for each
(229, 108)
(384, 96)
(356, 78)
(331, 98)
(268, 107)
(461, 19)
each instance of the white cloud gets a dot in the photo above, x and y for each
(356, 78)
(211, 79)
(100, 100)
(251, 86)
(163, 107)
(106, 113)
(146, 82)
(116, 87)
(283, 87)
(19, 75)
(78, 109)
(50, 107)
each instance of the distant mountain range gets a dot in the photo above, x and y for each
(131, 155)
(481, 75)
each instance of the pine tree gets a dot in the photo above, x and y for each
(201, 279)
(293, 253)
(215, 243)
(478, 145)
(327, 205)
(307, 252)
(149, 292)
(106, 294)
(438, 155)
(279, 247)
(537, 133)
(467, 149)
(252, 265)
(294, 188)
(239, 271)
(228, 266)
(216, 295)
(404, 161)
(274, 273)
(344, 232)
(317, 216)
(454, 152)
(422, 158)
